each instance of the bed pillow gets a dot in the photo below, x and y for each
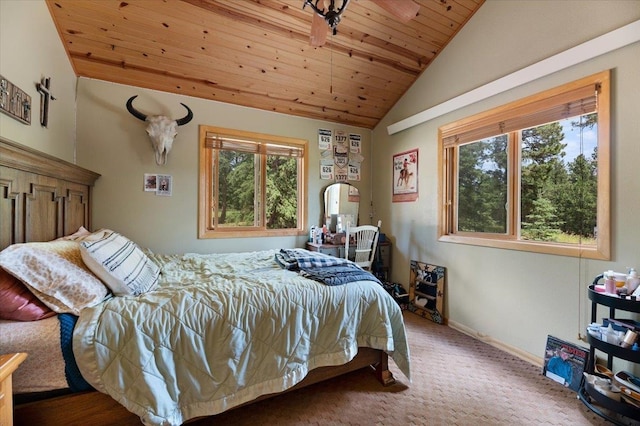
(55, 274)
(120, 264)
(18, 303)
(78, 235)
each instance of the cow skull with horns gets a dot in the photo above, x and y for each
(161, 130)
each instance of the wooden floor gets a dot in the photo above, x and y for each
(97, 409)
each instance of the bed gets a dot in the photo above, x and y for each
(199, 365)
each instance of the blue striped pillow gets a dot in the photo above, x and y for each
(120, 264)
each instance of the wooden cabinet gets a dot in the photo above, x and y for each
(381, 263)
(8, 364)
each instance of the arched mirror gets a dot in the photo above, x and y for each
(341, 204)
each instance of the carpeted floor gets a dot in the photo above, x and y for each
(456, 380)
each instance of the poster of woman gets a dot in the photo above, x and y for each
(405, 176)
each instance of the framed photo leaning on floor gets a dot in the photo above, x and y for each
(564, 362)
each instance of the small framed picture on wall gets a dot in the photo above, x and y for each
(165, 184)
(405, 176)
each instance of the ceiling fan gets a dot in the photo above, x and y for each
(323, 19)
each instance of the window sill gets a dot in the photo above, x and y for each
(572, 250)
(235, 233)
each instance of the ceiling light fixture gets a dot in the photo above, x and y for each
(329, 17)
(330, 14)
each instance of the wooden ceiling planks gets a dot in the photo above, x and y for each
(256, 53)
(218, 46)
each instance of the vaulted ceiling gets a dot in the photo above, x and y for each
(256, 53)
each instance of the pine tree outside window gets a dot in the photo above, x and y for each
(532, 175)
(251, 184)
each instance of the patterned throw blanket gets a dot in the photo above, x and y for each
(323, 268)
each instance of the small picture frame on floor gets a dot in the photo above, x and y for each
(426, 290)
(564, 362)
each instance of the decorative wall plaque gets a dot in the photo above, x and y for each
(14, 102)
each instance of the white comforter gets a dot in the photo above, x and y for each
(224, 329)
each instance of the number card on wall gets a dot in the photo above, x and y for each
(355, 143)
(341, 138)
(354, 172)
(340, 155)
(326, 171)
(324, 139)
(342, 174)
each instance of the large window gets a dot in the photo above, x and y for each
(250, 184)
(531, 175)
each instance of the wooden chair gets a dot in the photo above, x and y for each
(366, 239)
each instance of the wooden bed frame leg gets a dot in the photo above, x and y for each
(382, 372)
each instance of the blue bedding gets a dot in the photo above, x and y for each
(75, 380)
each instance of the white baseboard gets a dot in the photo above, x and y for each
(539, 361)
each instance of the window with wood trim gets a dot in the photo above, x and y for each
(532, 175)
(251, 184)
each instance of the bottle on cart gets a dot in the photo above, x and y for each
(633, 281)
(609, 282)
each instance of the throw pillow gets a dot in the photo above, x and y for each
(120, 264)
(79, 234)
(55, 274)
(18, 303)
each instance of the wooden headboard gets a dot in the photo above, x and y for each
(41, 196)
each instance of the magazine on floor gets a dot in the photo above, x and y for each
(564, 362)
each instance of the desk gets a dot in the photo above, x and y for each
(383, 271)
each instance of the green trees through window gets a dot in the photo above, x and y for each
(250, 184)
(559, 192)
(482, 186)
(236, 189)
(532, 175)
(282, 194)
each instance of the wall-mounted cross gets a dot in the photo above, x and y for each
(45, 95)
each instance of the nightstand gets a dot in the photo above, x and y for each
(8, 364)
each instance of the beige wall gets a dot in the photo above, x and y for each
(30, 49)
(511, 297)
(114, 143)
